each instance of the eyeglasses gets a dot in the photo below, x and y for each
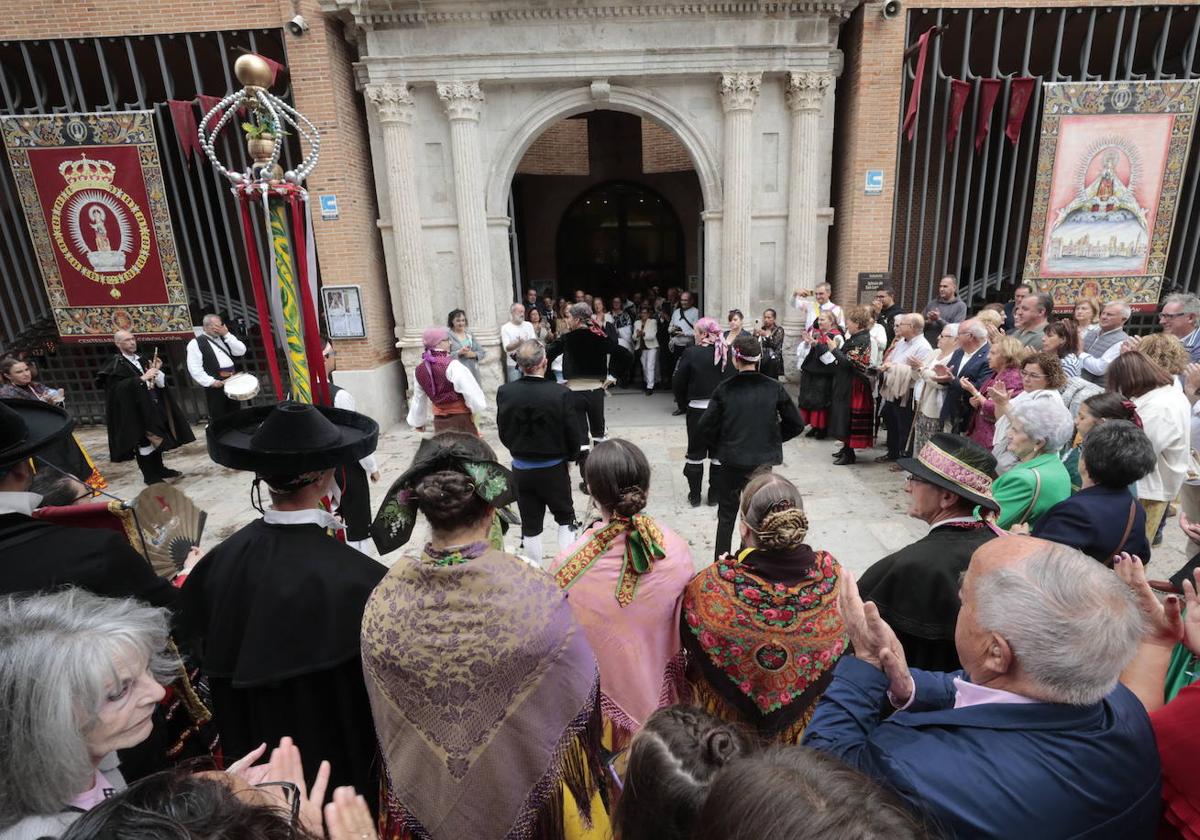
(1162, 315)
(909, 478)
(1030, 374)
(291, 799)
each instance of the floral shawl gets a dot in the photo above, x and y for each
(484, 694)
(636, 643)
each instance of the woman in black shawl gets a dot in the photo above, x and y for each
(852, 409)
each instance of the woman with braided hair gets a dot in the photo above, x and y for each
(762, 630)
(482, 684)
(624, 578)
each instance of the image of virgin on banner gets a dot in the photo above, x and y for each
(1109, 170)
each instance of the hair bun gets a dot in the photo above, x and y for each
(719, 746)
(631, 501)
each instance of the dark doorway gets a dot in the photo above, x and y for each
(619, 237)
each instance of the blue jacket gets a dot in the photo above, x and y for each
(1094, 520)
(956, 408)
(1038, 771)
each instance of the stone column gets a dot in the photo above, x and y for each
(464, 101)
(739, 93)
(411, 305)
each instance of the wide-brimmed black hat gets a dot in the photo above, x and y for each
(957, 464)
(28, 425)
(291, 438)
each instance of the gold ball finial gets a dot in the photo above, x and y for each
(252, 69)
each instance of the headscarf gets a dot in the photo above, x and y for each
(643, 546)
(708, 331)
(433, 336)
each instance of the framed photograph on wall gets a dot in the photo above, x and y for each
(343, 312)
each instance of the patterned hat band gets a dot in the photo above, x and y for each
(952, 469)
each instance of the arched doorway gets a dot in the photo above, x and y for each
(620, 237)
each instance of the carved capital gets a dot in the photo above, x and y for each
(394, 103)
(806, 91)
(739, 91)
(463, 100)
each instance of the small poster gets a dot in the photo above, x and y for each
(343, 312)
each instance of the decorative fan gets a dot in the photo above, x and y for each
(171, 526)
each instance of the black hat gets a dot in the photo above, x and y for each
(957, 464)
(28, 425)
(291, 438)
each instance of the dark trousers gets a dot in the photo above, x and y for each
(698, 451)
(219, 405)
(898, 419)
(539, 489)
(732, 480)
(589, 411)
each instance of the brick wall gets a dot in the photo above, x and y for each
(562, 149)
(662, 151)
(349, 249)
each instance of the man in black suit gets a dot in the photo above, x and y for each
(536, 420)
(969, 361)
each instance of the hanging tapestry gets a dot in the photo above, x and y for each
(1110, 166)
(91, 186)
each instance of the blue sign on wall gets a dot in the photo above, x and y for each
(329, 208)
(874, 182)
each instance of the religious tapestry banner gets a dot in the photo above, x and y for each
(91, 186)
(1110, 165)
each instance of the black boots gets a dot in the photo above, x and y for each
(153, 469)
(845, 457)
(694, 473)
(714, 480)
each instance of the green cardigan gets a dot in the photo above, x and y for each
(1013, 491)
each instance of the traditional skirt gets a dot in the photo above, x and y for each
(862, 416)
(454, 423)
(923, 429)
(818, 418)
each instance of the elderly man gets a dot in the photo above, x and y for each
(1104, 345)
(916, 588)
(211, 359)
(1031, 316)
(896, 390)
(946, 308)
(143, 420)
(535, 417)
(1035, 737)
(512, 333)
(1180, 317)
(1022, 291)
(969, 361)
(811, 304)
(682, 330)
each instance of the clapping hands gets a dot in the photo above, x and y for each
(1166, 624)
(874, 641)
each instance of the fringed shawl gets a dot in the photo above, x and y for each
(484, 694)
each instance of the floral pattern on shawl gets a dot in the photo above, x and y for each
(772, 641)
(643, 546)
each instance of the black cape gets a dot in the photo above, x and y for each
(274, 615)
(816, 380)
(844, 374)
(916, 591)
(130, 411)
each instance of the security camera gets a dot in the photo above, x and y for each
(298, 26)
(891, 9)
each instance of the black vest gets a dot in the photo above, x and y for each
(209, 358)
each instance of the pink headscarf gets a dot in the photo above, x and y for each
(708, 331)
(433, 336)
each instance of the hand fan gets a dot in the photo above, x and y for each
(171, 526)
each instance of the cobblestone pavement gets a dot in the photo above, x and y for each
(856, 512)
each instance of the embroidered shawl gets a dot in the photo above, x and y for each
(636, 643)
(770, 642)
(482, 687)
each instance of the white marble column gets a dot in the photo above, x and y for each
(805, 98)
(464, 102)
(739, 93)
(411, 304)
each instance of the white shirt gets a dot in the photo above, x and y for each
(685, 320)
(312, 516)
(345, 400)
(510, 332)
(420, 412)
(223, 348)
(1098, 365)
(808, 310)
(19, 502)
(966, 357)
(1166, 419)
(160, 381)
(878, 343)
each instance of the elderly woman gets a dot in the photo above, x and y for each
(1038, 429)
(444, 391)
(852, 406)
(624, 578)
(993, 322)
(463, 345)
(762, 629)
(81, 677)
(1004, 358)
(1061, 339)
(482, 683)
(1104, 519)
(816, 373)
(928, 393)
(1166, 419)
(1166, 351)
(1041, 379)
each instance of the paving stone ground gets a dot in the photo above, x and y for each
(856, 512)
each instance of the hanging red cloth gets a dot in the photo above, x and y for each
(989, 89)
(207, 103)
(184, 119)
(959, 92)
(914, 98)
(1020, 92)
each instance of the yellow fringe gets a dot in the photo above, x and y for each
(713, 703)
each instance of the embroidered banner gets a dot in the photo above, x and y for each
(92, 190)
(1111, 161)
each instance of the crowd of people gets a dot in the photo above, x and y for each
(1012, 672)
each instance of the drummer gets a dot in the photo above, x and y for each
(211, 359)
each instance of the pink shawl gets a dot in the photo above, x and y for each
(635, 645)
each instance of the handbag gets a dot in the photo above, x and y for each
(1125, 535)
(1037, 490)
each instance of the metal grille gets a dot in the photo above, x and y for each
(966, 213)
(135, 73)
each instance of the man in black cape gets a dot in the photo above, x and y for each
(273, 612)
(143, 420)
(916, 588)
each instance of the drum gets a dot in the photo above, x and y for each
(241, 387)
